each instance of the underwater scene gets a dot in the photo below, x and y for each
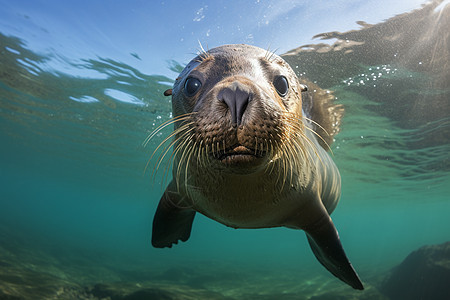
(83, 110)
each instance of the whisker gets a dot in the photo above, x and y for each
(167, 148)
(208, 157)
(212, 145)
(155, 151)
(175, 132)
(202, 53)
(291, 159)
(205, 154)
(171, 161)
(286, 160)
(185, 144)
(295, 118)
(266, 56)
(318, 135)
(165, 124)
(313, 147)
(175, 151)
(199, 160)
(191, 149)
(269, 54)
(317, 124)
(301, 140)
(300, 136)
(295, 122)
(271, 154)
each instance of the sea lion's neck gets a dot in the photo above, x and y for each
(244, 200)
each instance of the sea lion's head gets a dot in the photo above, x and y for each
(237, 108)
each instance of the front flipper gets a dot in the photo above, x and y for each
(171, 223)
(326, 246)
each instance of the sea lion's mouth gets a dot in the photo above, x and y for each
(239, 155)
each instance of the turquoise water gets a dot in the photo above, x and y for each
(76, 205)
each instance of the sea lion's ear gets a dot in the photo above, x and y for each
(303, 88)
(168, 92)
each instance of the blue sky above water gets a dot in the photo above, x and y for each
(147, 34)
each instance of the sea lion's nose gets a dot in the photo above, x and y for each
(236, 96)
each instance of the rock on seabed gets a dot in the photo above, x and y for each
(424, 274)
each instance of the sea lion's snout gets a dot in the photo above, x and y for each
(240, 101)
(236, 96)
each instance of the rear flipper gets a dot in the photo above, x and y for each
(171, 223)
(326, 246)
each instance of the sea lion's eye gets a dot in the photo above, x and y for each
(281, 85)
(192, 86)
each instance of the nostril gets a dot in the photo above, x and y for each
(241, 105)
(236, 97)
(227, 96)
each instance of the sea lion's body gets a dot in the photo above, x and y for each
(246, 155)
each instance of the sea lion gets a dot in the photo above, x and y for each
(246, 155)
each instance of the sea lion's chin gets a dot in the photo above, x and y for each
(241, 160)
